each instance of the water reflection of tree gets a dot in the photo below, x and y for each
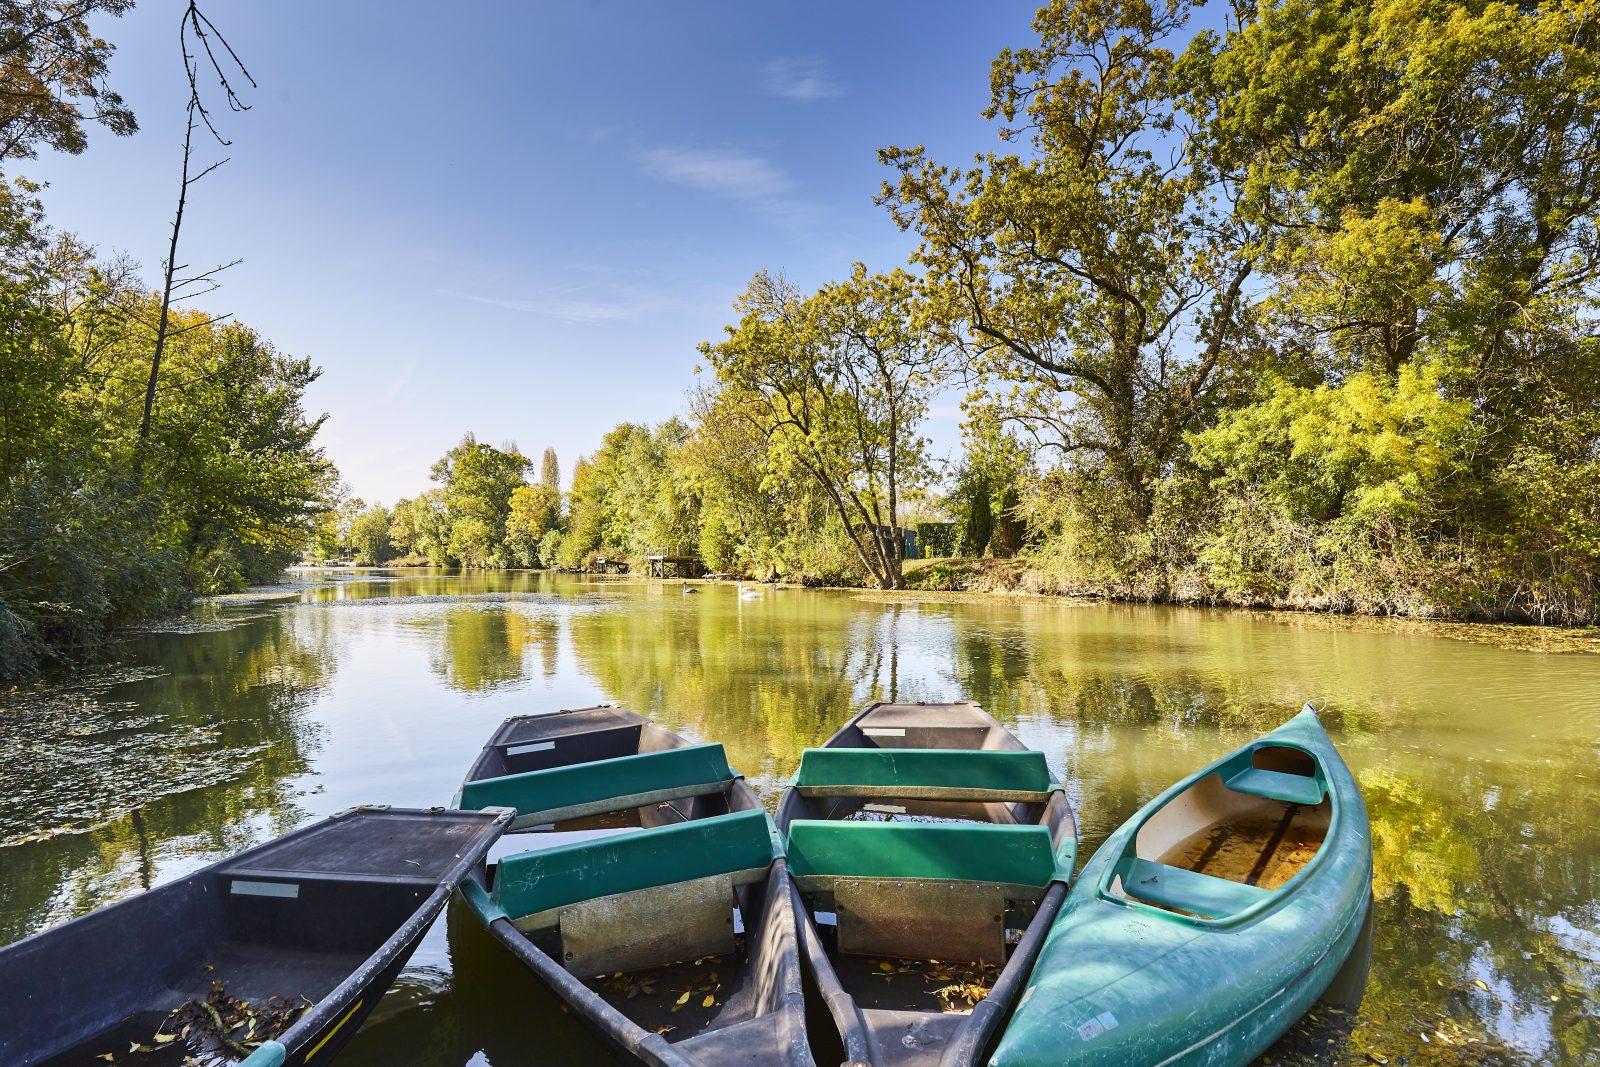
(1484, 866)
(1482, 872)
(176, 768)
(766, 680)
(486, 646)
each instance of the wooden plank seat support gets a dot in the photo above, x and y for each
(923, 890)
(603, 786)
(925, 774)
(637, 900)
(1183, 890)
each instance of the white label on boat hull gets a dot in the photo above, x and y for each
(883, 731)
(287, 890)
(533, 746)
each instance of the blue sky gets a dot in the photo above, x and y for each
(519, 219)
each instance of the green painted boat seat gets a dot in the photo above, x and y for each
(1276, 785)
(636, 900)
(820, 853)
(925, 774)
(924, 890)
(531, 888)
(1174, 887)
(602, 786)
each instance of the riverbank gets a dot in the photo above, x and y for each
(1015, 577)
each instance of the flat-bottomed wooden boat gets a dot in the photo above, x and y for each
(316, 924)
(930, 850)
(652, 898)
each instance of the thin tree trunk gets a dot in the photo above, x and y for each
(166, 288)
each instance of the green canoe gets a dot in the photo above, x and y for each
(1211, 921)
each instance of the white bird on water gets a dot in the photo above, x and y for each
(748, 594)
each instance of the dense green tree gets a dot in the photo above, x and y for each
(550, 549)
(1096, 276)
(837, 384)
(986, 496)
(369, 536)
(1431, 172)
(550, 471)
(53, 69)
(419, 529)
(478, 480)
(535, 511)
(232, 482)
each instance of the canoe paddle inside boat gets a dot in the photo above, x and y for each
(287, 946)
(930, 851)
(652, 896)
(1211, 921)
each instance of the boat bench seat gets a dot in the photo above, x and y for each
(925, 774)
(1276, 785)
(537, 884)
(1182, 890)
(638, 899)
(602, 786)
(924, 890)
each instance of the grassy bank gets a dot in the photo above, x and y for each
(1017, 577)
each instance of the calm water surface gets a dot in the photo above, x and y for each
(1481, 766)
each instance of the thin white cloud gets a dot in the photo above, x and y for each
(747, 178)
(801, 79)
(576, 305)
(400, 382)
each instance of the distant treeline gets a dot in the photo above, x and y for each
(134, 472)
(1297, 313)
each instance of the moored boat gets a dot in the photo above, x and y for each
(301, 935)
(930, 851)
(1211, 921)
(652, 898)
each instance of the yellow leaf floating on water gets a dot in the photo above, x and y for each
(710, 1000)
(886, 967)
(683, 999)
(162, 1039)
(1481, 984)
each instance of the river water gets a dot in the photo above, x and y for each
(1480, 765)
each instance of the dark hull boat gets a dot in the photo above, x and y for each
(930, 852)
(652, 898)
(1211, 921)
(309, 929)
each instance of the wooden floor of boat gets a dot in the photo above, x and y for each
(681, 1000)
(883, 982)
(1265, 851)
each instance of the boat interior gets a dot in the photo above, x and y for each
(1225, 843)
(680, 927)
(289, 920)
(566, 770)
(922, 841)
(644, 871)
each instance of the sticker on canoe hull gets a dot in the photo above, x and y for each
(1098, 1025)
